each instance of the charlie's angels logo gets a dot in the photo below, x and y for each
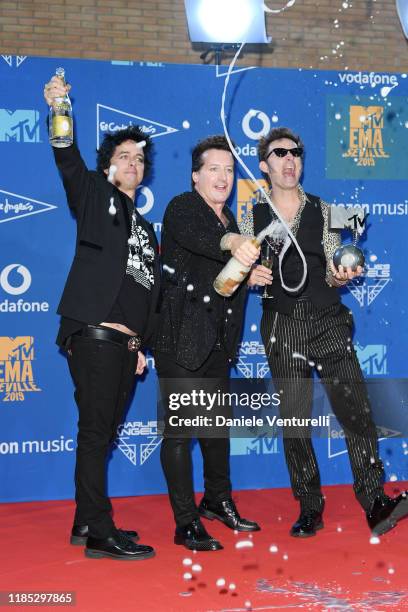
(251, 360)
(14, 60)
(110, 119)
(366, 135)
(16, 368)
(128, 440)
(369, 286)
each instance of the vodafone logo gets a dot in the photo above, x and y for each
(256, 124)
(149, 200)
(15, 279)
(24, 279)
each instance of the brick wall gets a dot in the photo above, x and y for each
(366, 36)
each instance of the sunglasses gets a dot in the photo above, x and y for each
(281, 152)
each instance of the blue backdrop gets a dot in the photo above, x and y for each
(355, 128)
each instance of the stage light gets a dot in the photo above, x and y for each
(402, 10)
(226, 21)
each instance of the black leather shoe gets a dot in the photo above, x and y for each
(195, 537)
(79, 535)
(386, 512)
(307, 524)
(117, 546)
(227, 513)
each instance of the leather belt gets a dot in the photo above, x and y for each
(133, 343)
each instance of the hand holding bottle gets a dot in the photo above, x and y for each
(55, 88)
(60, 123)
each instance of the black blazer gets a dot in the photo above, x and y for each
(101, 251)
(192, 314)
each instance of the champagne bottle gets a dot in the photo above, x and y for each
(61, 127)
(232, 275)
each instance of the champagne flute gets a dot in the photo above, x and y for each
(267, 261)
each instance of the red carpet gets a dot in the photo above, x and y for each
(337, 569)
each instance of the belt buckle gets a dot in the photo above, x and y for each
(134, 344)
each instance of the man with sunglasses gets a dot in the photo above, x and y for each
(312, 329)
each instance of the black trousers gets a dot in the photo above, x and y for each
(104, 374)
(176, 451)
(321, 338)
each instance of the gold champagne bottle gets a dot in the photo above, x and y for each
(232, 275)
(61, 126)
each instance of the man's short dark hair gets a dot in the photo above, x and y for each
(113, 139)
(212, 142)
(276, 134)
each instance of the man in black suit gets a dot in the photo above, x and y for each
(107, 314)
(198, 335)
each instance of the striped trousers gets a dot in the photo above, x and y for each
(295, 344)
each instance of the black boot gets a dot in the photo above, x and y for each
(195, 537)
(227, 513)
(307, 524)
(386, 512)
(79, 535)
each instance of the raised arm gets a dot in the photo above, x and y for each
(75, 175)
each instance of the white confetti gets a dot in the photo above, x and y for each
(141, 144)
(374, 540)
(273, 548)
(112, 172)
(187, 561)
(337, 116)
(393, 478)
(244, 544)
(220, 582)
(206, 299)
(186, 124)
(275, 118)
(285, 557)
(196, 567)
(253, 327)
(112, 207)
(298, 356)
(168, 269)
(391, 570)
(190, 287)
(232, 586)
(187, 576)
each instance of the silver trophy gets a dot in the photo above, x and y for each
(354, 220)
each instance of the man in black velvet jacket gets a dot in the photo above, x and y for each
(107, 314)
(198, 334)
(312, 329)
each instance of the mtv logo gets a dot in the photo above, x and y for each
(247, 196)
(373, 359)
(260, 445)
(20, 348)
(14, 206)
(19, 125)
(110, 119)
